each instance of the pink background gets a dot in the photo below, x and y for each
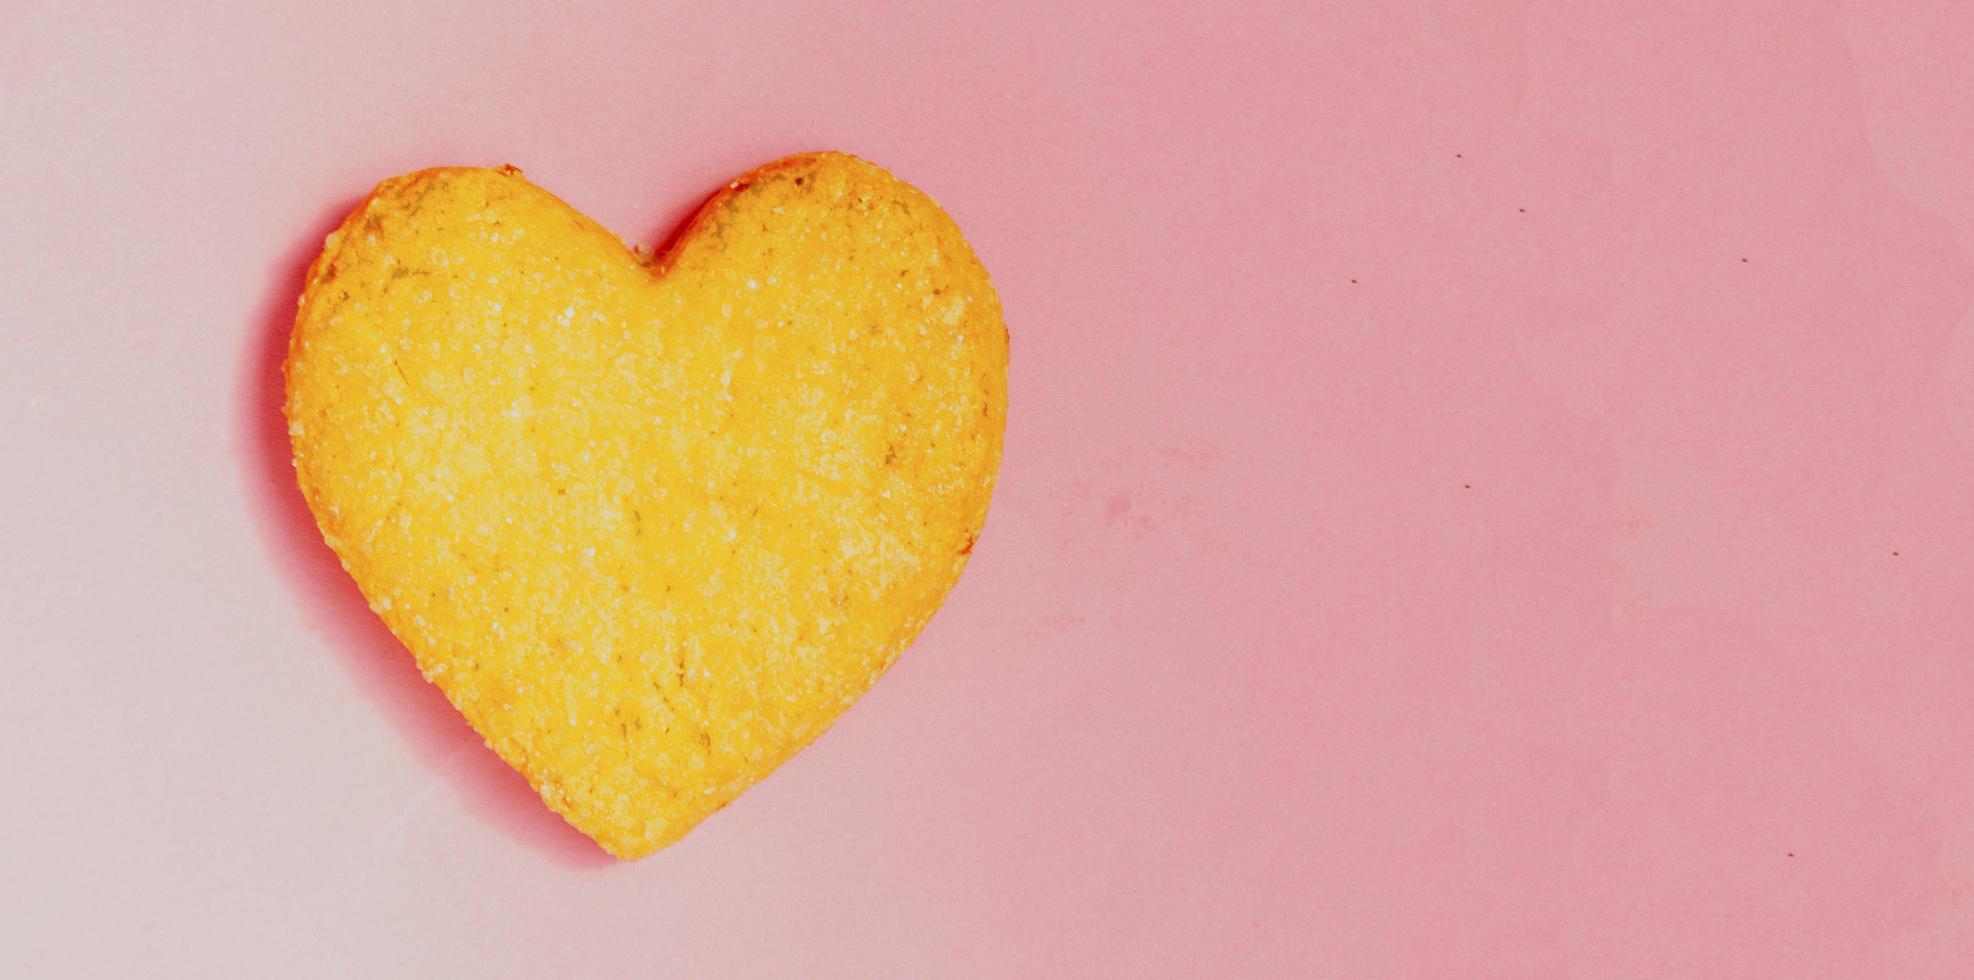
(1489, 492)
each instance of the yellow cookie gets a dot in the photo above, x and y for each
(650, 525)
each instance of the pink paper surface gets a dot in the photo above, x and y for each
(1488, 493)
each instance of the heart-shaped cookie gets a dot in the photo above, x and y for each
(650, 524)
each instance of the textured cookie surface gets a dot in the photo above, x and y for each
(650, 525)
